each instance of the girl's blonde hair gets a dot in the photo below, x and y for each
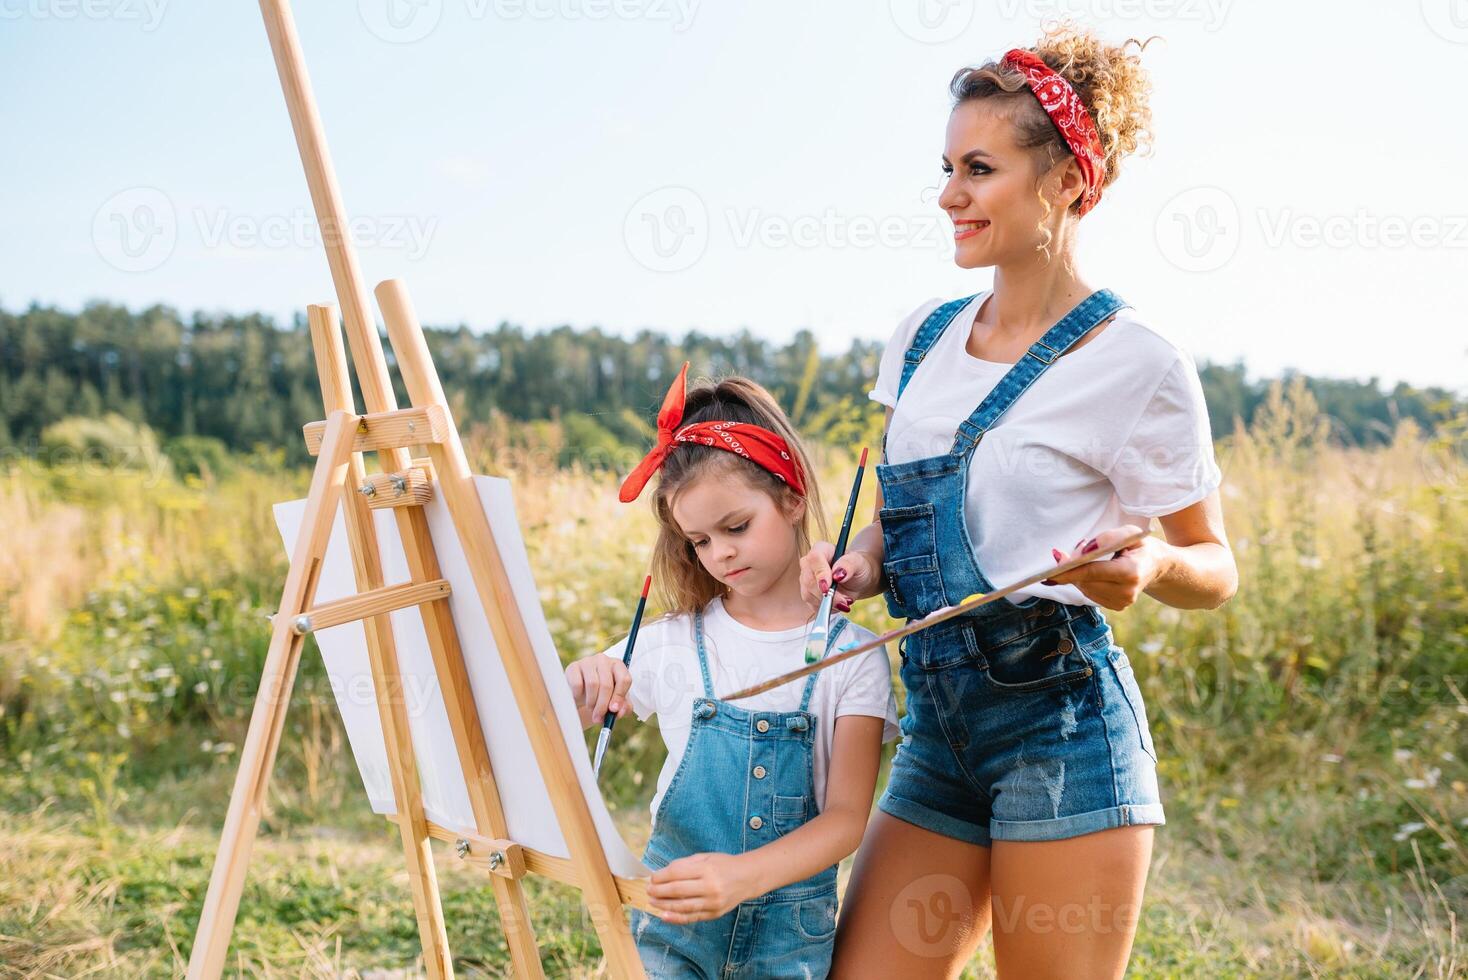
(1109, 78)
(684, 585)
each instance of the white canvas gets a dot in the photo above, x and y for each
(528, 809)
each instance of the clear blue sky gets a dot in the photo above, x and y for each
(709, 164)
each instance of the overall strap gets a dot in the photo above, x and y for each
(927, 335)
(810, 685)
(1043, 353)
(703, 660)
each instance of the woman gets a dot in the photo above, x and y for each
(1037, 414)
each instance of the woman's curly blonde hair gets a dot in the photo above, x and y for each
(1108, 77)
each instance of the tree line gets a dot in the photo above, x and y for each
(245, 381)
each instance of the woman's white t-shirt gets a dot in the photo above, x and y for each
(666, 681)
(1115, 432)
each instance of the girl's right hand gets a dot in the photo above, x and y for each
(598, 684)
(855, 576)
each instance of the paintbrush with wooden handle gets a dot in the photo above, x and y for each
(937, 616)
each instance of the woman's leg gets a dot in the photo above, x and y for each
(1069, 908)
(917, 904)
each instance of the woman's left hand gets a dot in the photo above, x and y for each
(1114, 582)
(699, 887)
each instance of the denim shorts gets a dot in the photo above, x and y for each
(1026, 725)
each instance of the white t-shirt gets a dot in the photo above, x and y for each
(666, 680)
(1114, 432)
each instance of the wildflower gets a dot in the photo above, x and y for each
(1407, 830)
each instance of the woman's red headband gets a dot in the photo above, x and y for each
(755, 443)
(1063, 105)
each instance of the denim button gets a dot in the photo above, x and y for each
(1065, 646)
(762, 726)
(759, 772)
(755, 823)
(706, 710)
(1046, 608)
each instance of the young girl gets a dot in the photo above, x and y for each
(758, 800)
(1025, 423)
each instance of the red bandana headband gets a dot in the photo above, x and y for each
(1066, 110)
(755, 443)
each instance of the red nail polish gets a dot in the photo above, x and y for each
(1048, 581)
(1090, 547)
(1055, 553)
(839, 575)
(822, 583)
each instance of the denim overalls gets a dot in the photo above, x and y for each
(1024, 720)
(745, 779)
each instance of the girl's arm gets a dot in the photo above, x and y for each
(705, 886)
(599, 684)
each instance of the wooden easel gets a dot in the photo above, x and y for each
(404, 486)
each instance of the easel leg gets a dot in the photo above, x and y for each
(382, 655)
(456, 483)
(267, 720)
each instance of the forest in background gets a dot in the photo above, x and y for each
(198, 386)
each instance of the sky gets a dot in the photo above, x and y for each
(719, 165)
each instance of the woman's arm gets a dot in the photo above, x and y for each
(1192, 569)
(705, 886)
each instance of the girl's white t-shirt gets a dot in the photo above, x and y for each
(666, 681)
(1115, 432)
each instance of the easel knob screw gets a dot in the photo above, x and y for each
(367, 490)
(496, 858)
(303, 624)
(461, 846)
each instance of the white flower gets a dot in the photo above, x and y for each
(1402, 756)
(1330, 757)
(1407, 830)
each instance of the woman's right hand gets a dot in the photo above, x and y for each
(855, 576)
(599, 684)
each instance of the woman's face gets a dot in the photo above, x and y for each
(990, 191)
(740, 534)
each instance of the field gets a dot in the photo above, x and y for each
(1312, 732)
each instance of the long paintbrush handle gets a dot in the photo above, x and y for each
(936, 617)
(610, 719)
(861, 468)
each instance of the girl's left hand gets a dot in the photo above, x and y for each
(699, 887)
(1114, 582)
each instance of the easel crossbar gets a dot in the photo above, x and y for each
(398, 429)
(633, 891)
(373, 603)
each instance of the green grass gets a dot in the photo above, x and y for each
(1311, 732)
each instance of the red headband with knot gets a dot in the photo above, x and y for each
(1063, 105)
(755, 443)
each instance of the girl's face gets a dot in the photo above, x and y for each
(990, 189)
(741, 535)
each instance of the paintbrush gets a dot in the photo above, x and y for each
(611, 718)
(937, 616)
(815, 642)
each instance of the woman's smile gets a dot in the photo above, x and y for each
(967, 229)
